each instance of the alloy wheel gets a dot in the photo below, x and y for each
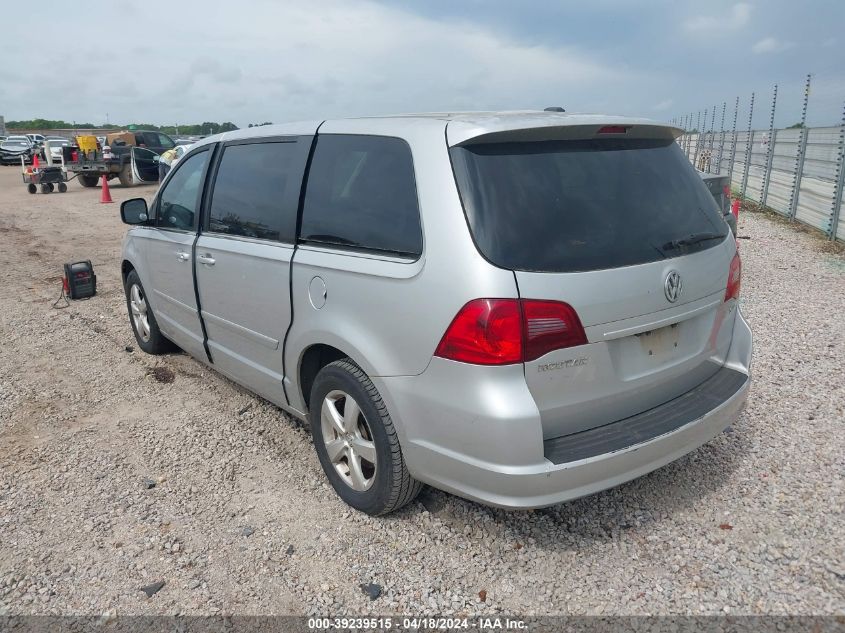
(348, 440)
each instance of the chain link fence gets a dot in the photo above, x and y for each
(797, 172)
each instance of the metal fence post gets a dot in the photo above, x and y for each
(688, 135)
(710, 145)
(698, 139)
(840, 181)
(721, 139)
(800, 154)
(733, 143)
(748, 145)
(770, 151)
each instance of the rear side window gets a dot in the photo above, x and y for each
(361, 194)
(256, 191)
(565, 206)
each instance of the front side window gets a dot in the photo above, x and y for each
(361, 194)
(164, 141)
(256, 191)
(179, 200)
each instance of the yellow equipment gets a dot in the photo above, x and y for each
(87, 143)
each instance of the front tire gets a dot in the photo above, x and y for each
(357, 442)
(141, 318)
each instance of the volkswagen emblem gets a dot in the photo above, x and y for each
(673, 286)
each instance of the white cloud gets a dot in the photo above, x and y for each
(738, 16)
(771, 45)
(284, 61)
(664, 105)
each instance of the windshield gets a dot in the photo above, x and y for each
(566, 206)
(13, 144)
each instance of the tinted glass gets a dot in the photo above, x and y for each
(179, 200)
(560, 206)
(361, 193)
(164, 141)
(251, 191)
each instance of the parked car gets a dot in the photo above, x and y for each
(12, 149)
(23, 138)
(37, 141)
(518, 308)
(56, 145)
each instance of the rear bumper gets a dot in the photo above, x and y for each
(489, 448)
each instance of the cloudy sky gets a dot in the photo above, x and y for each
(254, 60)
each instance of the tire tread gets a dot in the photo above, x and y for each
(404, 487)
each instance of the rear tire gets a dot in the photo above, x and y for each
(141, 318)
(366, 438)
(87, 180)
(62, 187)
(45, 188)
(125, 175)
(31, 188)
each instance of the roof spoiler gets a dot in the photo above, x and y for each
(501, 131)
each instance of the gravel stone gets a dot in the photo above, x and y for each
(82, 422)
(372, 590)
(153, 589)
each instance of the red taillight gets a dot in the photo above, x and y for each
(734, 278)
(485, 332)
(549, 325)
(726, 190)
(508, 331)
(613, 129)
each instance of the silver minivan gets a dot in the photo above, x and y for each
(519, 308)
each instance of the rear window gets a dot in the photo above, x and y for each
(566, 206)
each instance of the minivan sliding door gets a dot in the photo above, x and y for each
(243, 258)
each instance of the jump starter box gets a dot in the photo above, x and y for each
(80, 280)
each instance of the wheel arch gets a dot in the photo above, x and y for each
(126, 267)
(311, 361)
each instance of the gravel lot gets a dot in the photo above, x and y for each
(241, 520)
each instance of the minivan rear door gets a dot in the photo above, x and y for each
(614, 221)
(243, 258)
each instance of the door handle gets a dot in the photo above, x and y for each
(182, 257)
(206, 259)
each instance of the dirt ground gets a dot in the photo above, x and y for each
(119, 470)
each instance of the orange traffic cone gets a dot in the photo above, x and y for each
(106, 195)
(35, 164)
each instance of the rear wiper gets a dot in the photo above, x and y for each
(695, 238)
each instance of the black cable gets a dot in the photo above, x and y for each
(62, 295)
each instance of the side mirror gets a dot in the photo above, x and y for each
(134, 211)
